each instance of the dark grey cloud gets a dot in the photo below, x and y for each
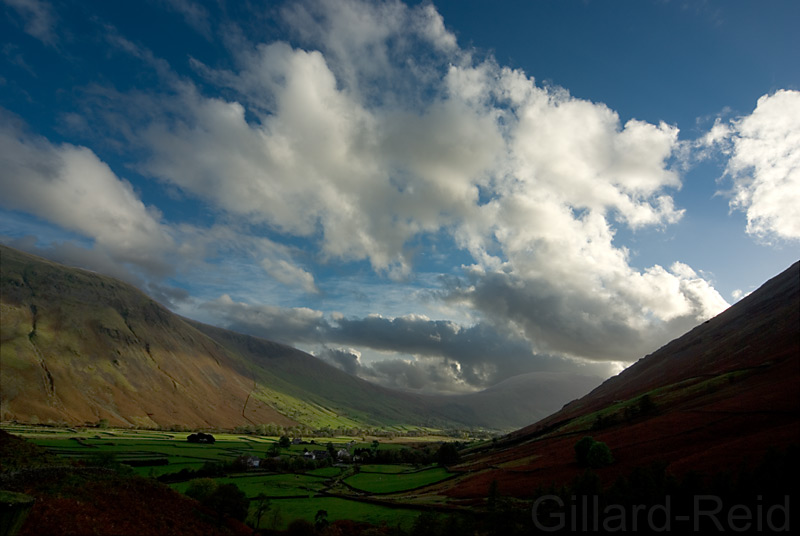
(345, 359)
(411, 352)
(431, 374)
(472, 347)
(401, 374)
(575, 324)
(580, 324)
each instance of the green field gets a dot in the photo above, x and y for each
(377, 468)
(327, 472)
(291, 495)
(271, 485)
(337, 508)
(396, 482)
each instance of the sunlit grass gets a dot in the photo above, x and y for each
(290, 509)
(396, 482)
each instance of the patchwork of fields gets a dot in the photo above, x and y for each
(342, 490)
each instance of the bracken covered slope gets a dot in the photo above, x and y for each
(716, 399)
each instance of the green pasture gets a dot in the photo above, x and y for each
(326, 472)
(291, 496)
(385, 468)
(271, 485)
(306, 411)
(127, 445)
(156, 471)
(396, 482)
(284, 511)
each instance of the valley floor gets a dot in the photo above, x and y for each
(287, 486)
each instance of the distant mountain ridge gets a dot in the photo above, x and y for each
(77, 347)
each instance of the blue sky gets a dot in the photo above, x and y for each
(433, 196)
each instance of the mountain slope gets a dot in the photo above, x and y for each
(514, 402)
(505, 406)
(303, 377)
(760, 332)
(716, 399)
(76, 347)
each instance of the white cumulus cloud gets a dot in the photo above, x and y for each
(70, 186)
(367, 131)
(369, 138)
(765, 166)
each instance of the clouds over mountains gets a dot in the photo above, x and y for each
(415, 352)
(363, 131)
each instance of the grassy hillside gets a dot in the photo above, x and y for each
(306, 387)
(78, 347)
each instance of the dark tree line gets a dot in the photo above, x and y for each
(200, 437)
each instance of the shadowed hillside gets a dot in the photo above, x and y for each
(716, 399)
(91, 499)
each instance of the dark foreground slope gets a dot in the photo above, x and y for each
(91, 499)
(716, 399)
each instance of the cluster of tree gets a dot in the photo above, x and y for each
(200, 437)
(418, 456)
(225, 499)
(298, 431)
(470, 433)
(271, 429)
(293, 464)
(208, 470)
(591, 453)
(444, 454)
(642, 407)
(448, 454)
(353, 431)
